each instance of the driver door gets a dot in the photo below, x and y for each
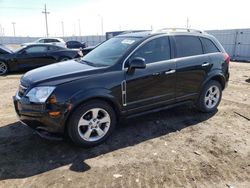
(155, 85)
(32, 57)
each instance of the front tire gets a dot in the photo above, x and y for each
(3, 68)
(91, 123)
(210, 97)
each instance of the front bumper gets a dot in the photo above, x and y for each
(37, 116)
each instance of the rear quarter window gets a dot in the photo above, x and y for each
(209, 46)
(188, 46)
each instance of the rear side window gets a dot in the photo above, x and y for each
(155, 50)
(54, 40)
(188, 46)
(36, 49)
(50, 40)
(53, 48)
(209, 46)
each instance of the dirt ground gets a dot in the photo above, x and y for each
(179, 147)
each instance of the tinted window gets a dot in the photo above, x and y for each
(73, 43)
(53, 48)
(50, 40)
(155, 50)
(41, 41)
(188, 46)
(46, 40)
(54, 40)
(209, 46)
(36, 49)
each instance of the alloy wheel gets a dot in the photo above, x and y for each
(3, 68)
(94, 124)
(212, 97)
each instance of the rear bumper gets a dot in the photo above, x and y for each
(37, 116)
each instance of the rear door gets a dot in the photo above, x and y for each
(154, 85)
(192, 66)
(52, 55)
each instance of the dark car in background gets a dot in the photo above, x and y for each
(34, 56)
(126, 76)
(75, 44)
(88, 49)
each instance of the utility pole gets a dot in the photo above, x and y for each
(74, 29)
(79, 25)
(45, 12)
(101, 23)
(188, 23)
(14, 29)
(62, 28)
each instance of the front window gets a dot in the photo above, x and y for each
(108, 53)
(154, 51)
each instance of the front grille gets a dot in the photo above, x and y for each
(21, 90)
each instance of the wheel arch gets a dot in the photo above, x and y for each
(216, 76)
(220, 79)
(106, 99)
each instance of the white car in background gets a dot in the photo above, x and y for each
(54, 41)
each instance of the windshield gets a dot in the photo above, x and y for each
(109, 52)
(19, 49)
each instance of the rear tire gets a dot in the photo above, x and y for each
(64, 59)
(210, 97)
(3, 68)
(91, 123)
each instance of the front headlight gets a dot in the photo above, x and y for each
(40, 94)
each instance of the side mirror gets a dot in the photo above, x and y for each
(137, 63)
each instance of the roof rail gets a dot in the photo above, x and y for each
(179, 30)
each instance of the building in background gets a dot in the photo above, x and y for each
(235, 41)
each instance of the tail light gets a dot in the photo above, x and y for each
(227, 58)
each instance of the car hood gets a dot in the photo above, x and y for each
(5, 49)
(59, 73)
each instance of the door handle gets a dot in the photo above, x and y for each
(170, 72)
(156, 74)
(205, 64)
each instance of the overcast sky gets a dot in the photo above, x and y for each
(120, 15)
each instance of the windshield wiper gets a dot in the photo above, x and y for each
(92, 64)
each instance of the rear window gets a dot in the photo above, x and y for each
(209, 46)
(188, 46)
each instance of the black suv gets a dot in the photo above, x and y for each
(125, 76)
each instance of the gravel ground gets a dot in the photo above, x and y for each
(178, 147)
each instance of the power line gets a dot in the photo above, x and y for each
(45, 12)
(20, 8)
